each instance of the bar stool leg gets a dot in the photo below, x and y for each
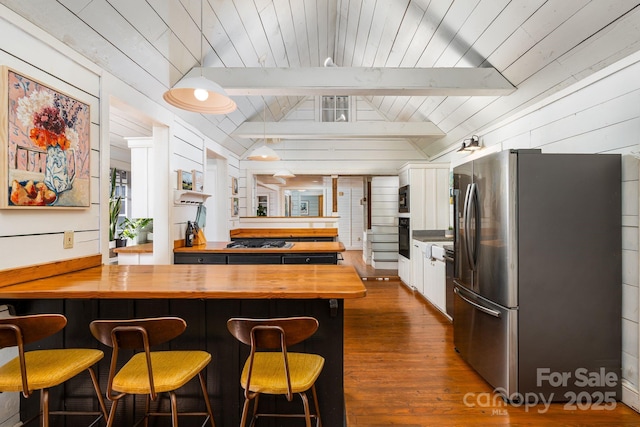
(305, 403)
(315, 402)
(112, 413)
(203, 386)
(94, 380)
(44, 404)
(174, 409)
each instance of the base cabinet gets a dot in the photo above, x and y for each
(435, 283)
(261, 258)
(404, 270)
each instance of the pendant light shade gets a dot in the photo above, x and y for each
(284, 173)
(263, 153)
(200, 95)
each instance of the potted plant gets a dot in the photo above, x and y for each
(131, 228)
(262, 210)
(115, 204)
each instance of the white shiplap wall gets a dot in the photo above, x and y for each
(350, 211)
(34, 236)
(187, 148)
(602, 115)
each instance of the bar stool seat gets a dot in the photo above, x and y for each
(171, 370)
(269, 375)
(47, 368)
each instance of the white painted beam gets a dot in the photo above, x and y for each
(358, 81)
(333, 130)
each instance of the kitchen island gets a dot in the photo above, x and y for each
(205, 296)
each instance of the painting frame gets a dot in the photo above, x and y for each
(185, 180)
(235, 206)
(234, 185)
(304, 208)
(198, 180)
(45, 145)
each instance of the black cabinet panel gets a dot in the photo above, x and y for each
(254, 259)
(182, 258)
(261, 258)
(310, 259)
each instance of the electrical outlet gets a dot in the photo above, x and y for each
(68, 240)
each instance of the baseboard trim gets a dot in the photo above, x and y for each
(630, 396)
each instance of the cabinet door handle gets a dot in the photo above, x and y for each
(307, 260)
(200, 260)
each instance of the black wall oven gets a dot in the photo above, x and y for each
(403, 199)
(404, 240)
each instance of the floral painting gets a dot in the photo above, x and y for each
(47, 161)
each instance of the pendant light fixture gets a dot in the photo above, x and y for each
(197, 93)
(263, 153)
(284, 173)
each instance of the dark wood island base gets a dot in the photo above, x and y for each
(205, 296)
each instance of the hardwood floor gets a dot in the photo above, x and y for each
(401, 369)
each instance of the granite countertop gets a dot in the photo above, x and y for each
(431, 236)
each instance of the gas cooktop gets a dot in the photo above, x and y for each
(263, 244)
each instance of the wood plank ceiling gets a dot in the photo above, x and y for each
(539, 46)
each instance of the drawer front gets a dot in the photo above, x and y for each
(255, 259)
(199, 258)
(310, 259)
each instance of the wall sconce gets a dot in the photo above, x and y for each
(471, 144)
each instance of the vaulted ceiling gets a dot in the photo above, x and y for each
(539, 46)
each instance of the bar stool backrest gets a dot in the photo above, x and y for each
(268, 333)
(21, 330)
(127, 334)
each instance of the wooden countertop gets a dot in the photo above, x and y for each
(298, 247)
(144, 248)
(271, 233)
(187, 281)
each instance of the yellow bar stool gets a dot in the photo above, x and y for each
(151, 372)
(277, 371)
(42, 369)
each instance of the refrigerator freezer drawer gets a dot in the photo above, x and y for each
(485, 335)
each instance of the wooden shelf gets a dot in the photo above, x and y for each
(188, 197)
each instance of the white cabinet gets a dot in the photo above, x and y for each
(429, 197)
(141, 177)
(404, 269)
(417, 265)
(435, 278)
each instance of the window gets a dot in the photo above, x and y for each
(122, 190)
(335, 109)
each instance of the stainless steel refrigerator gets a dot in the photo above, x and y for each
(538, 286)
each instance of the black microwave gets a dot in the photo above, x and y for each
(403, 199)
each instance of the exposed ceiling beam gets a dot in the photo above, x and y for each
(332, 130)
(358, 81)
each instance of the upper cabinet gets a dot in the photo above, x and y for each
(428, 194)
(141, 177)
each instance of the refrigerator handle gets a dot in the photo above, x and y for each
(475, 203)
(483, 309)
(466, 225)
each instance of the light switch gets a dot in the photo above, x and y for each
(68, 240)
